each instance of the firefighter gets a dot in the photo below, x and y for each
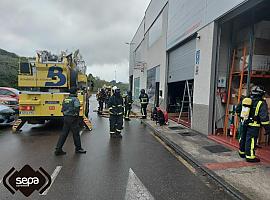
(92, 86)
(243, 110)
(257, 117)
(128, 105)
(116, 109)
(108, 95)
(70, 110)
(87, 97)
(101, 97)
(144, 100)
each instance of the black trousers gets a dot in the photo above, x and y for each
(251, 140)
(242, 140)
(106, 103)
(144, 110)
(87, 107)
(127, 111)
(116, 123)
(100, 108)
(71, 123)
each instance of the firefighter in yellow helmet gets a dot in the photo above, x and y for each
(254, 114)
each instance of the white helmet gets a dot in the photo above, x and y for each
(114, 88)
(257, 91)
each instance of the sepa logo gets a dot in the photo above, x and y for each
(27, 180)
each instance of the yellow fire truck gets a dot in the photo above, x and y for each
(45, 82)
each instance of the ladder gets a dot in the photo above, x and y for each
(227, 113)
(187, 101)
(18, 125)
(87, 123)
(240, 88)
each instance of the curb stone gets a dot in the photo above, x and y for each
(233, 191)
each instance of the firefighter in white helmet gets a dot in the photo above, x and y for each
(254, 114)
(116, 110)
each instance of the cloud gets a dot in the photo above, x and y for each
(111, 71)
(99, 28)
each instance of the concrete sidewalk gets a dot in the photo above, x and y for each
(244, 180)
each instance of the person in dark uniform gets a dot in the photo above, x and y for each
(116, 110)
(128, 105)
(258, 116)
(87, 97)
(92, 86)
(144, 100)
(108, 95)
(70, 110)
(101, 99)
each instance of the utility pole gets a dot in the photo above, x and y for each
(115, 75)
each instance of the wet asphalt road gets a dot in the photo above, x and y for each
(103, 172)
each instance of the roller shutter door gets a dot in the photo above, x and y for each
(182, 62)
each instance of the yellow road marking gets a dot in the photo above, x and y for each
(178, 157)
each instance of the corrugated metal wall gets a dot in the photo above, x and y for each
(152, 12)
(139, 36)
(188, 16)
(182, 62)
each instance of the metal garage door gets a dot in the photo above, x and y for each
(182, 62)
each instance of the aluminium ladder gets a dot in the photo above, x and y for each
(187, 101)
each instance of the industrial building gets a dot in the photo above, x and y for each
(198, 57)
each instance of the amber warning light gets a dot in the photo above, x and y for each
(52, 108)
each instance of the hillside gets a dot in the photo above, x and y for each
(8, 68)
(98, 83)
(9, 71)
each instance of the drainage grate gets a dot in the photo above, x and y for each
(187, 133)
(217, 149)
(176, 127)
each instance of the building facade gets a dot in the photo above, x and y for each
(182, 50)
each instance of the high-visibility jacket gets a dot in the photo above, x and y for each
(259, 114)
(115, 105)
(101, 96)
(144, 98)
(128, 101)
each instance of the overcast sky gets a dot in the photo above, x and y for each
(99, 28)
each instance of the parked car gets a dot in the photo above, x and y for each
(7, 115)
(10, 102)
(9, 92)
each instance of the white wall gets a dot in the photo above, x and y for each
(188, 16)
(202, 80)
(153, 55)
(152, 12)
(141, 55)
(156, 54)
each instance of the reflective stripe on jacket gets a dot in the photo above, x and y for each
(144, 99)
(115, 105)
(260, 115)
